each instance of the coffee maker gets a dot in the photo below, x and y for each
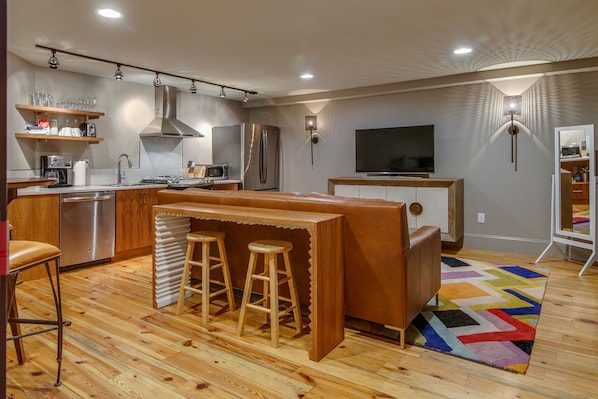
(57, 167)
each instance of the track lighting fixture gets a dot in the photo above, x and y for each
(53, 61)
(118, 75)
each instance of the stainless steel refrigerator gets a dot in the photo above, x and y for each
(251, 152)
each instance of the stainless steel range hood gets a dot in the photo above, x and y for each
(166, 124)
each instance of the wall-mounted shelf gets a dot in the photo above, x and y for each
(45, 137)
(60, 111)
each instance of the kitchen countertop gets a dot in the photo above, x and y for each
(41, 190)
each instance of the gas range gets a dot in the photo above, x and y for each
(178, 182)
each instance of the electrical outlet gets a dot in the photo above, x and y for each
(481, 218)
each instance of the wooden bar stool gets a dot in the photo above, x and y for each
(24, 255)
(207, 265)
(269, 303)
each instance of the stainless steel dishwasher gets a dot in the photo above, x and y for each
(86, 227)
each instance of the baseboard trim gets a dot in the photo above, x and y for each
(520, 245)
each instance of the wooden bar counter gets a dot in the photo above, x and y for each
(173, 222)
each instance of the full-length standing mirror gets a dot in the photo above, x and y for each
(574, 191)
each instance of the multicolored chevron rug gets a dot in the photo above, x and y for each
(486, 313)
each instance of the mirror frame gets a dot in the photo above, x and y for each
(591, 155)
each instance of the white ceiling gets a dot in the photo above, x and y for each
(264, 45)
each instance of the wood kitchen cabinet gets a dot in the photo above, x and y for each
(35, 218)
(134, 225)
(580, 189)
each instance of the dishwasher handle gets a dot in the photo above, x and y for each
(88, 199)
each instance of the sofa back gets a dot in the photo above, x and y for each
(375, 236)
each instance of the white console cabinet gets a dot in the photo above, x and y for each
(430, 202)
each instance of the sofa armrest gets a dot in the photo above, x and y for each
(424, 233)
(422, 269)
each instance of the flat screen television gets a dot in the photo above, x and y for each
(395, 150)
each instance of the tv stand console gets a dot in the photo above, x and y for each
(430, 202)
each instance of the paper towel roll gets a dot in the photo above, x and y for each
(80, 172)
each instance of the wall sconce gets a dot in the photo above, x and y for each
(512, 106)
(311, 124)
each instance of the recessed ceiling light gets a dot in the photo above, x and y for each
(463, 50)
(109, 13)
(307, 76)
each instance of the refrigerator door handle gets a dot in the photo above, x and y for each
(263, 167)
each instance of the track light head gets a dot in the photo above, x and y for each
(118, 75)
(222, 93)
(157, 82)
(245, 98)
(193, 88)
(53, 61)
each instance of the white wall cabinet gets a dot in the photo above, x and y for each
(430, 202)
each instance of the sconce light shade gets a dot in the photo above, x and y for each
(511, 105)
(311, 122)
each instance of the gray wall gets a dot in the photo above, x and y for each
(471, 143)
(471, 140)
(129, 108)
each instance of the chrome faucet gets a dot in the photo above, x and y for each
(119, 173)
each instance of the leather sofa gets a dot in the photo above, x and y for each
(389, 273)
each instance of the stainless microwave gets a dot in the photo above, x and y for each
(217, 171)
(570, 151)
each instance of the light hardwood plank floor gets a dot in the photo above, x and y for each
(118, 346)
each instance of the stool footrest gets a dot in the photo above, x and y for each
(258, 307)
(260, 276)
(200, 291)
(27, 321)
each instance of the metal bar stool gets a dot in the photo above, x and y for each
(207, 265)
(269, 303)
(24, 255)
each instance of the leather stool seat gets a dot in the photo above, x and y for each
(24, 255)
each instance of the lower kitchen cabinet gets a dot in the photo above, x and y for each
(35, 218)
(134, 224)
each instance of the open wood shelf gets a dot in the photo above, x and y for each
(60, 111)
(46, 137)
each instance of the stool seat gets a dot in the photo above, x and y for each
(205, 236)
(23, 255)
(269, 303)
(208, 263)
(270, 246)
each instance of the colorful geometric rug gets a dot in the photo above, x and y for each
(486, 313)
(581, 220)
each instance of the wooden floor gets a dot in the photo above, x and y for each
(118, 346)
